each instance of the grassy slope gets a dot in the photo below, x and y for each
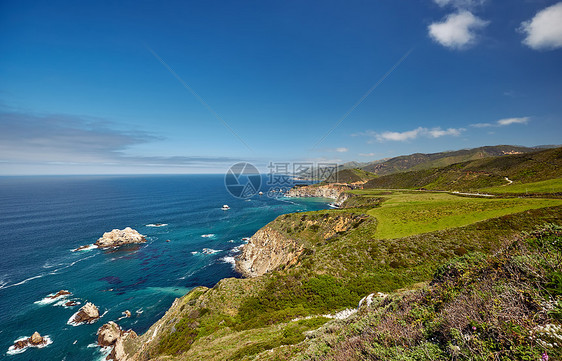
(477, 307)
(351, 176)
(547, 186)
(478, 174)
(238, 318)
(404, 214)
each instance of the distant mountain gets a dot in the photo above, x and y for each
(471, 175)
(350, 176)
(354, 165)
(419, 161)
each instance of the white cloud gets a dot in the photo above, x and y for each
(457, 30)
(399, 136)
(341, 150)
(481, 125)
(438, 132)
(367, 154)
(412, 134)
(508, 121)
(544, 31)
(502, 122)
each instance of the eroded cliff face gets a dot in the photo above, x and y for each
(331, 191)
(181, 331)
(267, 250)
(281, 242)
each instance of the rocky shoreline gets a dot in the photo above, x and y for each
(267, 250)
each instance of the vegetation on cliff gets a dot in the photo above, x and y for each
(239, 318)
(490, 296)
(505, 306)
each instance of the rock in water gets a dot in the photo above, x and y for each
(108, 334)
(21, 344)
(119, 237)
(89, 313)
(60, 293)
(36, 339)
(127, 313)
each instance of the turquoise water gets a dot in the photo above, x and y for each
(42, 219)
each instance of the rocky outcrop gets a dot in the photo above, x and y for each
(120, 237)
(265, 251)
(108, 334)
(111, 335)
(283, 241)
(331, 191)
(88, 313)
(36, 340)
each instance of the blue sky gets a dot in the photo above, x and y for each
(97, 87)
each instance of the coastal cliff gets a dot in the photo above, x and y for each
(331, 191)
(283, 241)
(277, 315)
(267, 250)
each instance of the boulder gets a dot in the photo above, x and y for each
(108, 334)
(89, 313)
(120, 237)
(36, 339)
(21, 344)
(127, 313)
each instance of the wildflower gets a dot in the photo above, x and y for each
(473, 328)
(544, 356)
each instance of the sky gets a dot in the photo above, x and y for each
(142, 87)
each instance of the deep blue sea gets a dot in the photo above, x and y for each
(42, 219)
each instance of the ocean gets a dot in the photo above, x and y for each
(42, 219)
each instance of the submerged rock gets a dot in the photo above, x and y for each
(60, 294)
(120, 237)
(89, 313)
(87, 246)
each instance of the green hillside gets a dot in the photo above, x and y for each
(351, 176)
(478, 174)
(420, 161)
(461, 284)
(242, 319)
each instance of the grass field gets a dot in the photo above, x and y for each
(392, 243)
(404, 214)
(547, 186)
